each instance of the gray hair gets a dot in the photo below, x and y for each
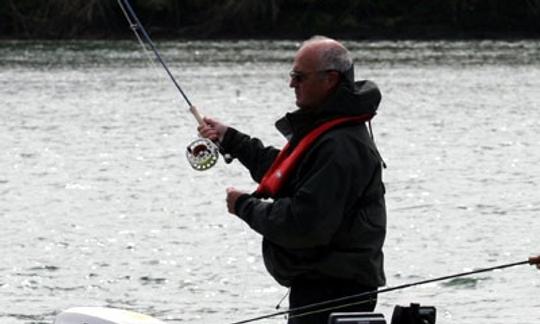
(332, 57)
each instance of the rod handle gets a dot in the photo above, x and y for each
(196, 114)
(535, 260)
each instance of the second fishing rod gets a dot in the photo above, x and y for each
(202, 153)
(339, 303)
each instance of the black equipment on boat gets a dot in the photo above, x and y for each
(202, 154)
(413, 314)
(356, 318)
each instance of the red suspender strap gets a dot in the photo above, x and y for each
(285, 163)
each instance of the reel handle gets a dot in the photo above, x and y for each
(227, 157)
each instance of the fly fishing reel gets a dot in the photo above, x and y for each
(202, 154)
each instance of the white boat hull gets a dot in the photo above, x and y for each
(103, 315)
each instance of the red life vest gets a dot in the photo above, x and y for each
(285, 162)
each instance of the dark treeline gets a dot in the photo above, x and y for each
(64, 19)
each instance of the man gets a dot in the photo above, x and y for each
(325, 222)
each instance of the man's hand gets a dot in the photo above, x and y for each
(212, 129)
(535, 260)
(232, 197)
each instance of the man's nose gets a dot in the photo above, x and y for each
(292, 83)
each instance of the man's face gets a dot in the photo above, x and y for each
(311, 85)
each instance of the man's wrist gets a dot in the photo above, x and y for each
(227, 137)
(239, 203)
(222, 135)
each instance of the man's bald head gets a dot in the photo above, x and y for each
(328, 53)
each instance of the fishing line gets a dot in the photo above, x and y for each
(278, 306)
(349, 300)
(151, 61)
(202, 153)
(133, 27)
(245, 237)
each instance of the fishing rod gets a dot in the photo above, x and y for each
(352, 300)
(202, 153)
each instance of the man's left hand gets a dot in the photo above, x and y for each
(232, 197)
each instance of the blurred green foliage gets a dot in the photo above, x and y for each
(272, 18)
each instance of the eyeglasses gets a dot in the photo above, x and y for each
(297, 76)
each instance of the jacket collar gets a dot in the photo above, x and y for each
(348, 100)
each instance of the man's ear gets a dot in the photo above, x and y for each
(333, 78)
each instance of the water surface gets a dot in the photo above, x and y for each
(99, 207)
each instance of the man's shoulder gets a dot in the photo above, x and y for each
(348, 133)
(347, 143)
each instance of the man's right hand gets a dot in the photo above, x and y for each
(212, 129)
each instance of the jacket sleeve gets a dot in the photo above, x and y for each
(336, 175)
(250, 152)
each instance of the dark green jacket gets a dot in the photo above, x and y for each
(329, 220)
